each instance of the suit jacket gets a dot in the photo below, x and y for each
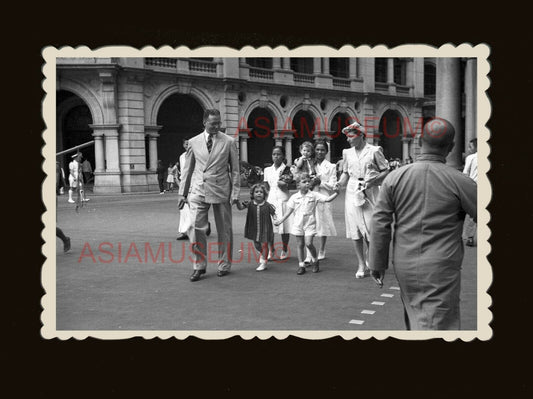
(213, 175)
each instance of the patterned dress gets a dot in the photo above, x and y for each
(259, 227)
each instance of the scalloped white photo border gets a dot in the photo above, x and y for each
(484, 270)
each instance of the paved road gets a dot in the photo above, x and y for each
(114, 278)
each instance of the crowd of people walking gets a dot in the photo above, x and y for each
(418, 206)
(417, 209)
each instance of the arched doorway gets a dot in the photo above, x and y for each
(73, 128)
(304, 125)
(391, 133)
(338, 140)
(180, 116)
(261, 137)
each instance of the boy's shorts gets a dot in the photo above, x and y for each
(305, 227)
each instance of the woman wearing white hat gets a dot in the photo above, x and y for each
(364, 168)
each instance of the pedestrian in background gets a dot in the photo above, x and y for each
(76, 178)
(426, 202)
(59, 233)
(471, 171)
(170, 176)
(61, 182)
(161, 170)
(87, 171)
(185, 223)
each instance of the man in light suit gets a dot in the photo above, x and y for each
(211, 173)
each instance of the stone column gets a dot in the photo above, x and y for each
(286, 63)
(470, 100)
(276, 63)
(325, 65)
(99, 160)
(243, 145)
(111, 151)
(352, 68)
(410, 76)
(153, 135)
(278, 138)
(390, 76)
(448, 103)
(108, 180)
(316, 65)
(289, 136)
(152, 150)
(405, 148)
(390, 70)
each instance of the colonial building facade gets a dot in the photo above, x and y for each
(139, 110)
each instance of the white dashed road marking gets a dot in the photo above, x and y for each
(378, 303)
(357, 321)
(368, 311)
(387, 295)
(395, 288)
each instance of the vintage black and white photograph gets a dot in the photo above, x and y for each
(266, 192)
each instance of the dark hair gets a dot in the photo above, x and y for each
(210, 111)
(258, 185)
(322, 142)
(474, 141)
(279, 148)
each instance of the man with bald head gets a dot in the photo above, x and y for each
(426, 202)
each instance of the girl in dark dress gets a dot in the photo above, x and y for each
(258, 227)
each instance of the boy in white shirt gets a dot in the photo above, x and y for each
(303, 204)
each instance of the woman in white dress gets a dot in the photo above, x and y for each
(278, 177)
(364, 168)
(327, 175)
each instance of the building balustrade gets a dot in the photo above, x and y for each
(340, 82)
(402, 90)
(261, 74)
(304, 78)
(382, 87)
(203, 66)
(162, 62)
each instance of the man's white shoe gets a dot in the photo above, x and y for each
(284, 255)
(321, 255)
(270, 254)
(70, 200)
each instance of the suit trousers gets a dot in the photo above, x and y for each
(223, 247)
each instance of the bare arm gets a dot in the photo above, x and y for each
(280, 221)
